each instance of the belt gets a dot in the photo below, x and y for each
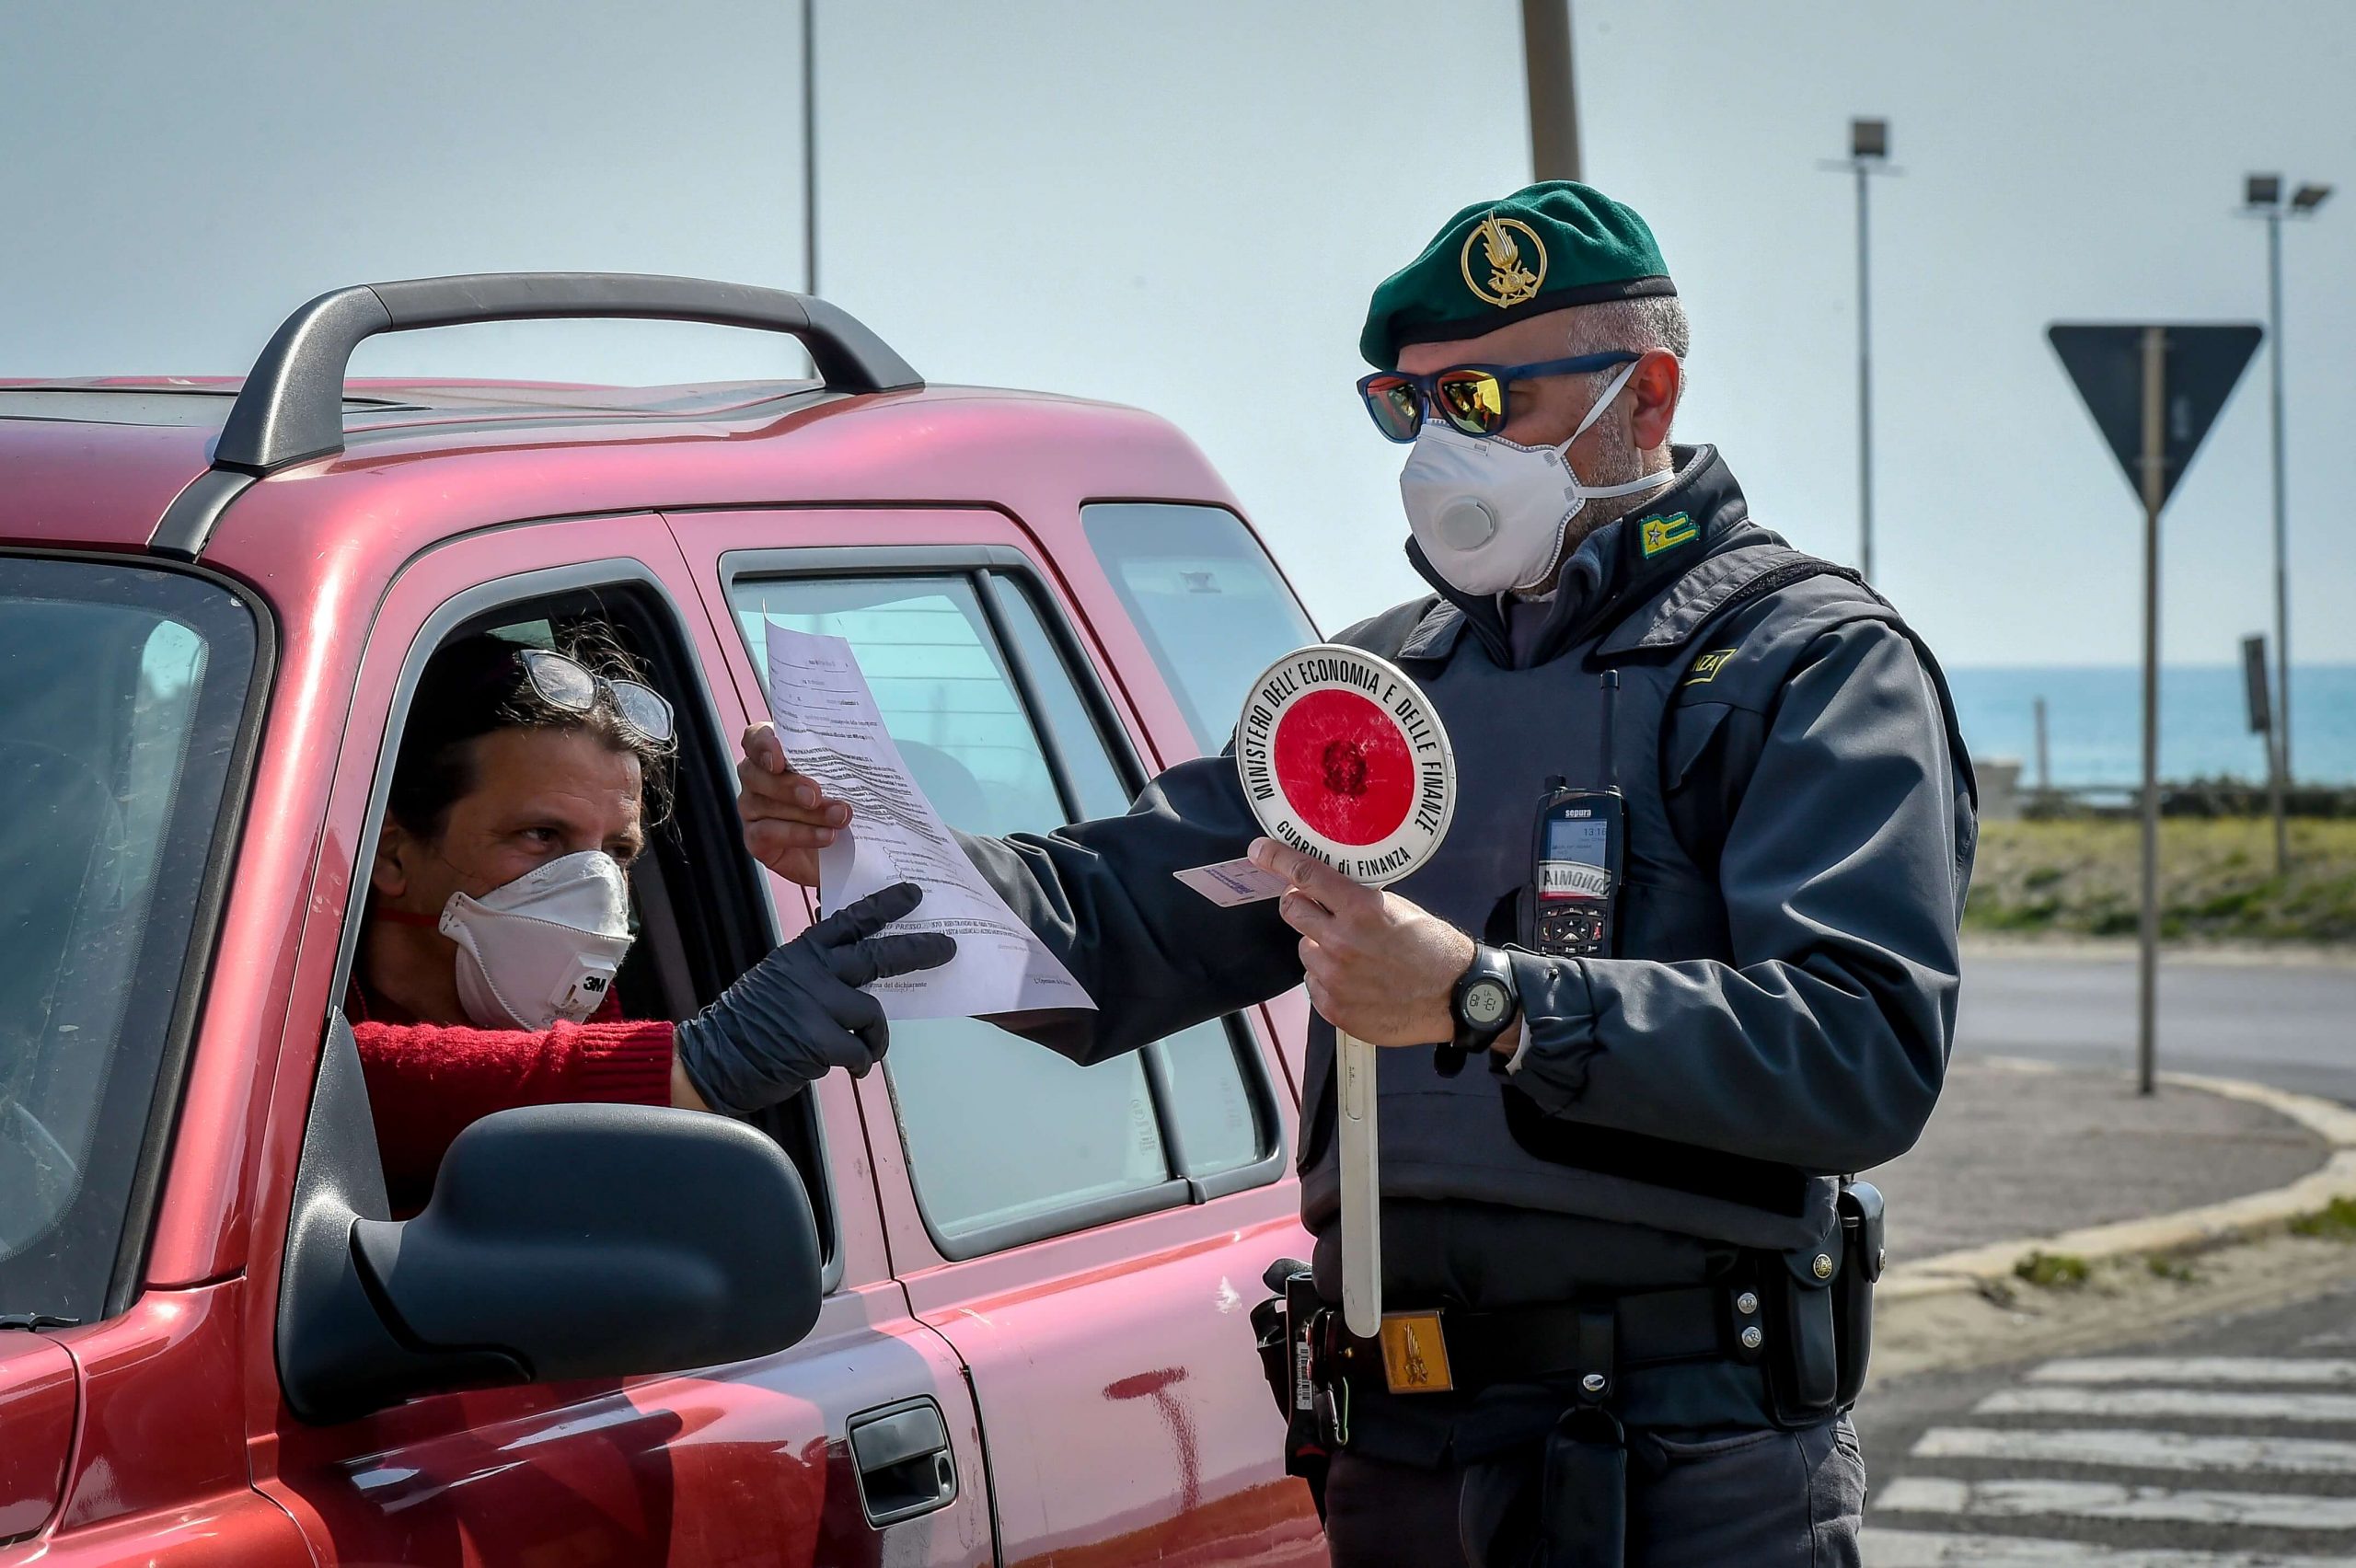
(1532, 1344)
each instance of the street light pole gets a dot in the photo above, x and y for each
(1868, 154)
(810, 146)
(2262, 198)
(2279, 775)
(1864, 387)
(2282, 528)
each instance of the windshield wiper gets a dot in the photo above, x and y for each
(37, 1321)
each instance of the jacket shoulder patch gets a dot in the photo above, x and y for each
(1706, 667)
(1657, 534)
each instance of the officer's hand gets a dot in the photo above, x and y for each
(800, 1011)
(1379, 967)
(788, 818)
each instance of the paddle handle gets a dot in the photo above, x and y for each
(1361, 1189)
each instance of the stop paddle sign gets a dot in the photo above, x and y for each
(1342, 757)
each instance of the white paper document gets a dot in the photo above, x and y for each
(827, 721)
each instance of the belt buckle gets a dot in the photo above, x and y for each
(1414, 1357)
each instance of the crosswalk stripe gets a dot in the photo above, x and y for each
(2148, 1403)
(2107, 1500)
(2314, 1372)
(1927, 1548)
(2133, 1449)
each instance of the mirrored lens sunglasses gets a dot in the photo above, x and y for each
(1471, 398)
(566, 683)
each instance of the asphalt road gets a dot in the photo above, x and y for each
(2230, 1443)
(2290, 1025)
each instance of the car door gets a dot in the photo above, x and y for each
(1089, 1239)
(857, 1444)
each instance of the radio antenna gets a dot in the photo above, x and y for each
(1610, 709)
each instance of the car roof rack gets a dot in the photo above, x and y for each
(291, 408)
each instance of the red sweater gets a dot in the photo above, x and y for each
(428, 1081)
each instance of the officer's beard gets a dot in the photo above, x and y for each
(1619, 461)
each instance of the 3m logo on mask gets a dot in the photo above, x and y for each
(543, 947)
(586, 992)
(1658, 534)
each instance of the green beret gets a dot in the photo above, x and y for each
(1544, 248)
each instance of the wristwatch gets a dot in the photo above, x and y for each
(1484, 1000)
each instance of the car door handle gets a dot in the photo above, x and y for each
(901, 1452)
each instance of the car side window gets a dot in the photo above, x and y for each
(698, 914)
(982, 700)
(123, 691)
(1203, 596)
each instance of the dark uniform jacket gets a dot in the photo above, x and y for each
(1783, 998)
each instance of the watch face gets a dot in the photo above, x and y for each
(1484, 1003)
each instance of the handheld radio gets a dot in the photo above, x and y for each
(1574, 855)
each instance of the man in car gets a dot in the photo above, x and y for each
(1629, 1313)
(498, 911)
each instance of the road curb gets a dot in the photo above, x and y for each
(1977, 1270)
(2072, 948)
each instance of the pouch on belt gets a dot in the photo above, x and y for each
(1820, 1313)
(1803, 1369)
(1863, 1256)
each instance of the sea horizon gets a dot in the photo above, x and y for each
(2095, 721)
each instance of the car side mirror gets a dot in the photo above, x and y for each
(596, 1240)
(561, 1242)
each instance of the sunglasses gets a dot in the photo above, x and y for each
(569, 684)
(1471, 398)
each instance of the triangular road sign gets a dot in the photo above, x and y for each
(2203, 363)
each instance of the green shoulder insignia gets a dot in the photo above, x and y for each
(1658, 534)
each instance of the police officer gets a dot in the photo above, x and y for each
(1625, 1312)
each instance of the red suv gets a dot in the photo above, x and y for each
(983, 1306)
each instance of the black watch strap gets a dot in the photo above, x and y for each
(1485, 1001)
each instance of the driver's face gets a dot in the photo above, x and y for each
(538, 794)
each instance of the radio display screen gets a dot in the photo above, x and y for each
(1583, 839)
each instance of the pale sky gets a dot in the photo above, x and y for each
(1184, 208)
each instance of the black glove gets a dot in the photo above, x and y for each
(800, 1011)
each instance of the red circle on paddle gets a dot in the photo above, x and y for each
(1343, 766)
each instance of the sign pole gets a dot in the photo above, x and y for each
(2154, 392)
(2155, 488)
(1342, 757)
(1361, 1192)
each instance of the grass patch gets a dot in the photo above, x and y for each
(2166, 1265)
(2053, 1271)
(2217, 880)
(2336, 1222)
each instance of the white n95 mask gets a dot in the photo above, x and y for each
(543, 946)
(1491, 513)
